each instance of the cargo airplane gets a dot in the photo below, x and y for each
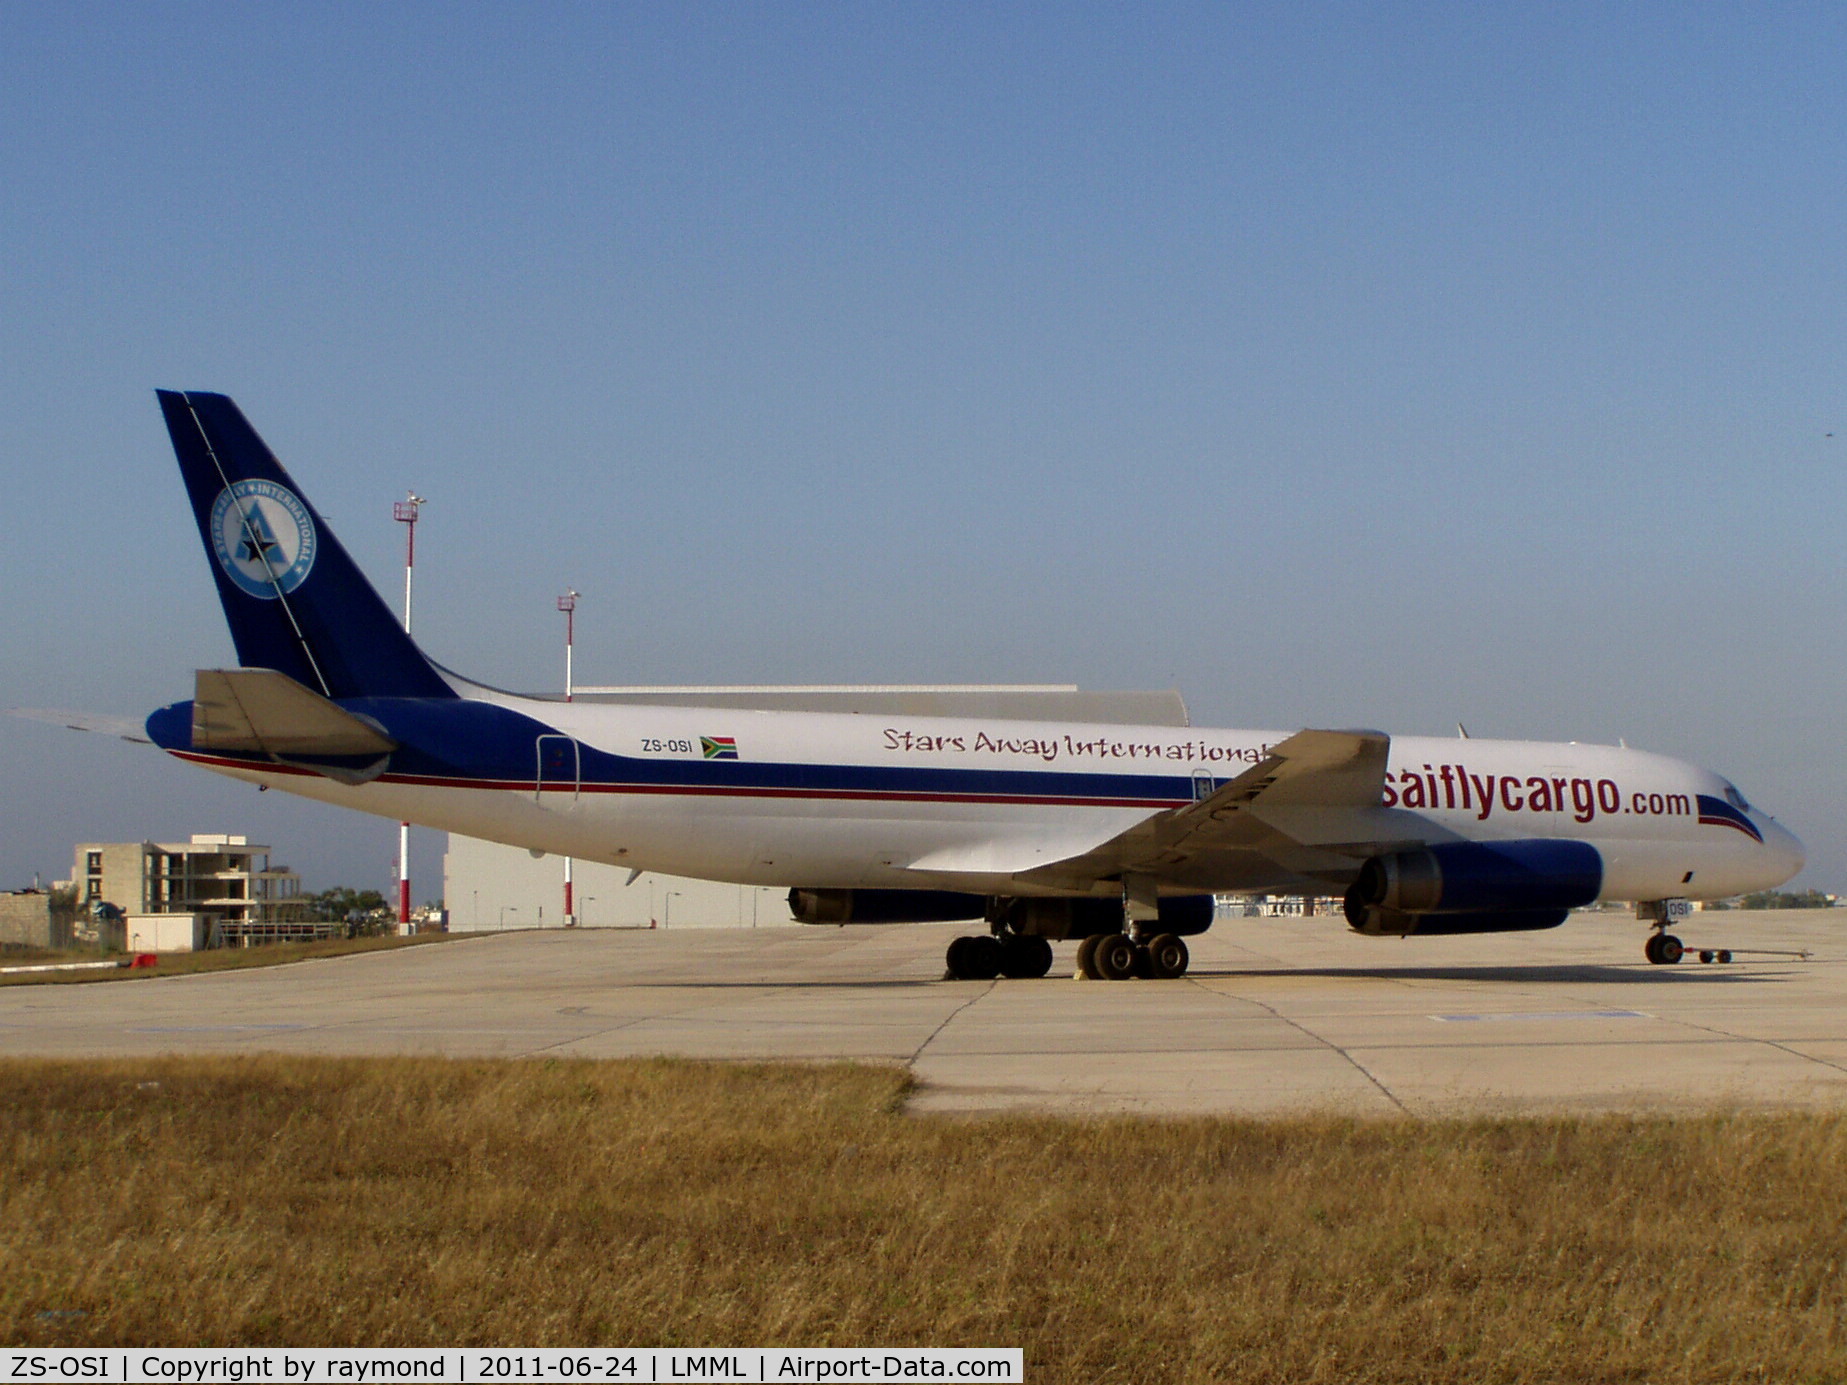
(1115, 835)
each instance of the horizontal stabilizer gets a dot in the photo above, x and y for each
(128, 728)
(263, 710)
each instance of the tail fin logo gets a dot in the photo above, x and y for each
(264, 538)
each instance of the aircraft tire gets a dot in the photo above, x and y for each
(1025, 958)
(955, 961)
(1167, 958)
(983, 958)
(1114, 957)
(1087, 957)
(973, 959)
(1664, 949)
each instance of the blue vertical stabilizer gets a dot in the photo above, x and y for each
(294, 599)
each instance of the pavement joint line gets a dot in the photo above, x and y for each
(1727, 1036)
(631, 1023)
(982, 994)
(1314, 1042)
(1780, 1045)
(1358, 1066)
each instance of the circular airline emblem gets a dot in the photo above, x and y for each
(264, 538)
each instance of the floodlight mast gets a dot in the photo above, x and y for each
(568, 604)
(405, 513)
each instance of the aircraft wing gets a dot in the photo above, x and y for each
(1309, 808)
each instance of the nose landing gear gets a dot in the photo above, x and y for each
(1663, 949)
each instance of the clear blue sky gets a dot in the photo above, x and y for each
(1340, 365)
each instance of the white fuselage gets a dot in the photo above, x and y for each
(871, 800)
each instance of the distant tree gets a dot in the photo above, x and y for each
(64, 904)
(1784, 899)
(362, 911)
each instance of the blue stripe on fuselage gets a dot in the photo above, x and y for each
(479, 744)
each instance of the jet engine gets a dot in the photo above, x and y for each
(1474, 887)
(1384, 923)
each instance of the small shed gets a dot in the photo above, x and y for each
(167, 932)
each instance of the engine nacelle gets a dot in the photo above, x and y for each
(1532, 875)
(885, 906)
(1387, 923)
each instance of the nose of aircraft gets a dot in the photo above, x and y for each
(1784, 848)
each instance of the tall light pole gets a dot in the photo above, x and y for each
(568, 604)
(405, 512)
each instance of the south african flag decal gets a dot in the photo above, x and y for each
(719, 747)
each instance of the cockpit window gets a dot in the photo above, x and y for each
(1736, 799)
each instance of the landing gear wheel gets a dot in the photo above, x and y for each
(1705, 954)
(1663, 949)
(1114, 957)
(1025, 958)
(983, 959)
(974, 959)
(1725, 954)
(1087, 957)
(1144, 969)
(1167, 958)
(955, 961)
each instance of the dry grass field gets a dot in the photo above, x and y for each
(405, 1202)
(215, 959)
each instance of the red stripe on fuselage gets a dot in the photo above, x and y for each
(1732, 823)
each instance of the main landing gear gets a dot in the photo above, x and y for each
(1100, 957)
(1016, 955)
(1117, 957)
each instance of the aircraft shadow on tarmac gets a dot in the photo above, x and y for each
(1568, 973)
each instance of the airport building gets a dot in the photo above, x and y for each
(226, 883)
(489, 887)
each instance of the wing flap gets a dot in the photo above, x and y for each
(1309, 807)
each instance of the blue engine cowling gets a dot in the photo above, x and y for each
(1384, 923)
(1475, 887)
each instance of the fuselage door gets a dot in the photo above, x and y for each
(560, 768)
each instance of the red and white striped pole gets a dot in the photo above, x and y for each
(405, 512)
(568, 604)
